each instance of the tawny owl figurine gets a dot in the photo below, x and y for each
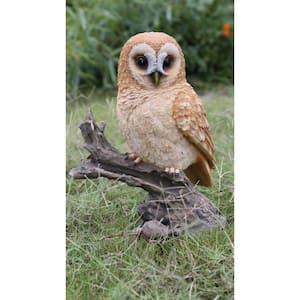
(160, 115)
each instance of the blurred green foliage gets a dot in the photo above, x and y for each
(97, 30)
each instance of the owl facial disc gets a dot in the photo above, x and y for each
(154, 66)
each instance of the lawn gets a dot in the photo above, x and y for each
(103, 266)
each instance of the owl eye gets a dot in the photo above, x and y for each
(141, 61)
(167, 62)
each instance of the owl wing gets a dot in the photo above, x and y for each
(190, 119)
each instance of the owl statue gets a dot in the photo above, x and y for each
(159, 113)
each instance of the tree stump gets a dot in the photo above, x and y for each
(173, 205)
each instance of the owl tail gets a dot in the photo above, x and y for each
(200, 172)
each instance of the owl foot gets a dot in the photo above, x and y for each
(137, 160)
(134, 157)
(172, 170)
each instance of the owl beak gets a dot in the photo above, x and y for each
(156, 77)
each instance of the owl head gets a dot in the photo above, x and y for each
(151, 60)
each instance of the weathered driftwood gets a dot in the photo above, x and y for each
(173, 205)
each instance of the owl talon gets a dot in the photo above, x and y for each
(131, 156)
(137, 160)
(172, 171)
(134, 157)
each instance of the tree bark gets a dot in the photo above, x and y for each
(173, 205)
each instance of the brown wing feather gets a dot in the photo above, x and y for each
(190, 119)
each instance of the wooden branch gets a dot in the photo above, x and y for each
(173, 205)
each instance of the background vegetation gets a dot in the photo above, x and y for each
(97, 30)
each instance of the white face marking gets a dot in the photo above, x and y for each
(148, 52)
(168, 49)
(155, 62)
(141, 49)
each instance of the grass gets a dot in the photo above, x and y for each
(99, 267)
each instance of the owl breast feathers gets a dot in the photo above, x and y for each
(160, 115)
